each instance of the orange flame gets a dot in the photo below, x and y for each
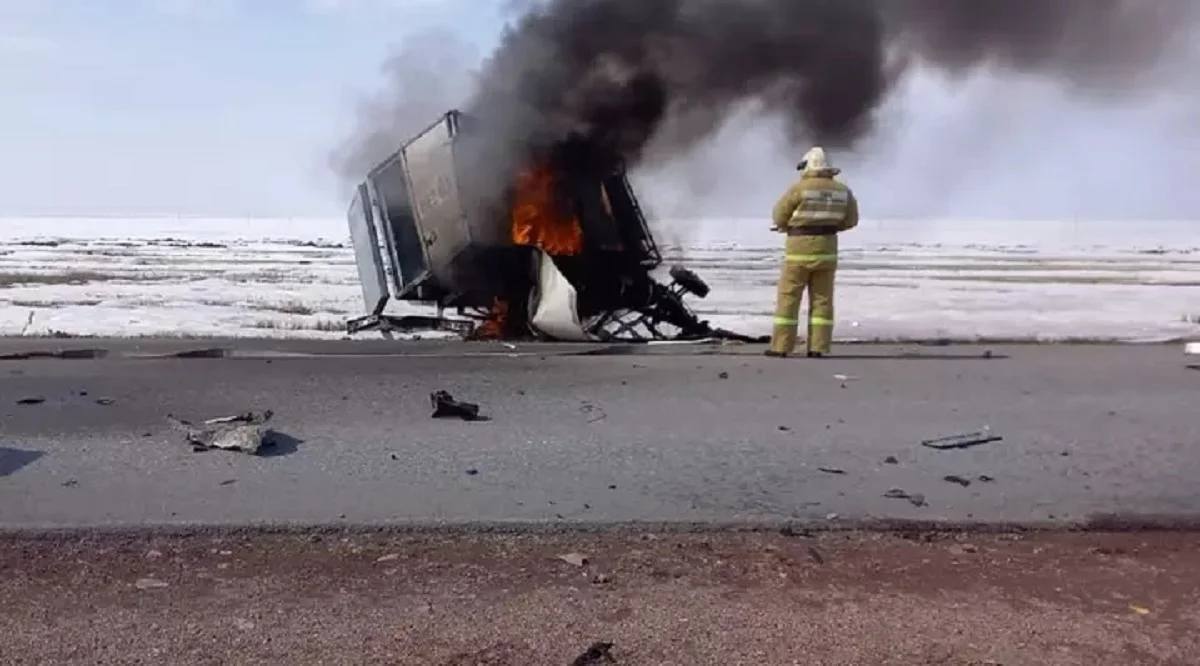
(537, 221)
(536, 218)
(493, 327)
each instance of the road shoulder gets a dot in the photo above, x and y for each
(851, 598)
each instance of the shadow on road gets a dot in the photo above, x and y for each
(636, 350)
(277, 444)
(14, 460)
(920, 357)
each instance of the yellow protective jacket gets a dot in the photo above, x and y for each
(815, 203)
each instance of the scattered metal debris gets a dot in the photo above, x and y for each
(891, 460)
(105, 402)
(245, 433)
(916, 499)
(598, 653)
(962, 441)
(984, 478)
(846, 378)
(149, 584)
(574, 559)
(594, 414)
(446, 407)
(31, 400)
(723, 375)
(952, 478)
(831, 470)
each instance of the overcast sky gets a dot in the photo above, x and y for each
(231, 107)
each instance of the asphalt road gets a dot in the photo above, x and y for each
(671, 434)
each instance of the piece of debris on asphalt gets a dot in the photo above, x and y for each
(472, 472)
(831, 470)
(984, 478)
(846, 378)
(916, 499)
(593, 413)
(952, 478)
(601, 579)
(961, 441)
(31, 400)
(245, 433)
(574, 559)
(105, 402)
(228, 482)
(446, 407)
(891, 460)
(598, 653)
(149, 584)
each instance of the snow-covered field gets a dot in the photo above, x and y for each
(899, 280)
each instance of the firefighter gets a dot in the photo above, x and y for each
(812, 213)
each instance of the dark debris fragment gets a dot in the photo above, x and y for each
(598, 653)
(446, 407)
(961, 441)
(916, 499)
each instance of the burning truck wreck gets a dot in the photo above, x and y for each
(564, 253)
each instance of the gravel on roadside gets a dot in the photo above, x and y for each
(1044, 599)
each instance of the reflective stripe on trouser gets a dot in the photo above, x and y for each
(795, 277)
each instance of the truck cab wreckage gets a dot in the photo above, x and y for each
(566, 254)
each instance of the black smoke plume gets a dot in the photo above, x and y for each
(616, 71)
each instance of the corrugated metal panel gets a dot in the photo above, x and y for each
(372, 274)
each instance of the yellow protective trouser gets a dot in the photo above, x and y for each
(810, 262)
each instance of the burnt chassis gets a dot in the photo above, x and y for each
(423, 235)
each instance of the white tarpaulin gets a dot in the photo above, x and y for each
(554, 309)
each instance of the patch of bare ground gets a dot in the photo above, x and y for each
(1038, 599)
(71, 277)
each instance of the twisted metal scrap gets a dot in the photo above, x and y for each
(244, 433)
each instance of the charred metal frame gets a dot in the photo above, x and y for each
(422, 235)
